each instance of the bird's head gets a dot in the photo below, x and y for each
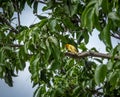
(66, 45)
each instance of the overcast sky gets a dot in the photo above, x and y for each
(22, 83)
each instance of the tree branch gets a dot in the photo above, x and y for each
(4, 20)
(92, 54)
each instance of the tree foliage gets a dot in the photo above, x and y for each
(55, 73)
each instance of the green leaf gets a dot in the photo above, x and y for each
(30, 2)
(22, 4)
(0, 69)
(86, 36)
(73, 7)
(26, 47)
(83, 47)
(34, 69)
(106, 37)
(2, 56)
(53, 24)
(53, 40)
(113, 16)
(96, 23)
(114, 78)
(41, 17)
(113, 53)
(76, 91)
(56, 52)
(110, 65)
(10, 9)
(42, 23)
(35, 7)
(100, 74)
(20, 62)
(88, 18)
(105, 6)
(48, 49)
(67, 22)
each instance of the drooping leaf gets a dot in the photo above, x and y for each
(48, 49)
(105, 36)
(100, 74)
(110, 65)
(53, 24)
(115, 76)
(35, 7)
(42, 23)
(53, 40)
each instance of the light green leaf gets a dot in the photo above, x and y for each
(41, 17)
(48, 49)
(53, 24)
(53, 40)
(26, 47)
(91, 3)
(113, 16)
(110, 65)
(100, 74)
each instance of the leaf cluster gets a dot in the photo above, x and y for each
(42, 45)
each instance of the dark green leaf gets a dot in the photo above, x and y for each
(35, 6)
(67, 22)
(86, 36)
(106, 37)
(83, 47)
(48, 49)
(105, 6)
(42, 23)
(22, 4)
(100, 74)
(115, 76)
(41, 17)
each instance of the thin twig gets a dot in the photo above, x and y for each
(92, 54)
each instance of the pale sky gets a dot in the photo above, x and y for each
(22, 83)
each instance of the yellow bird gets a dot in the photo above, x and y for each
(71, 48)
